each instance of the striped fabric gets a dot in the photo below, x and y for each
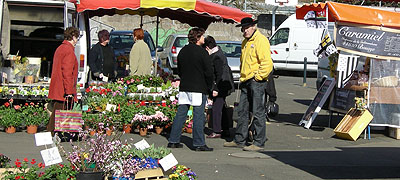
(173, 4)
(68, 121)
(346, 66)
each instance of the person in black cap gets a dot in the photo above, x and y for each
(255, 67)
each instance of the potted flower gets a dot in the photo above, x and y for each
(92, 156)
(159, 121)
(127, 113)
(34, 115)
(4, 160)
(25, 169)
(11, 118)
(59, 171)
(181, 172)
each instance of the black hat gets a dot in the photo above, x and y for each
(247, 22)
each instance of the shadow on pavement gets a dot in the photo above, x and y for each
(320, 120)
(349, 163)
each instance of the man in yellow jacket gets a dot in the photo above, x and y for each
(255, 66)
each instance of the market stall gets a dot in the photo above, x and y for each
(367, 63)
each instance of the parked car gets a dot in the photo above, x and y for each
(122, 42)
(170, 50)
(232, 50)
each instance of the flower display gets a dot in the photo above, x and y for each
(4, 160)
(26, 169)
(34, 114)
(181, 172)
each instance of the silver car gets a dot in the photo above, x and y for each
(232, 50)
(170, 50)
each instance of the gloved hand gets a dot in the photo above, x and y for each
(96, 74)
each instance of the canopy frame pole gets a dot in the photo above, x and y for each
(156, 55)
(141, 19)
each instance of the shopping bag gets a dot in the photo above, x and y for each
(69, 120)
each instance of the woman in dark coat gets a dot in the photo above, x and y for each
(223, 83)
(64, 75)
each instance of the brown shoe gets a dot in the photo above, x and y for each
(253, 148)
(232, 144)
(214, 135)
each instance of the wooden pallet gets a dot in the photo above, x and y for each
(150, 174)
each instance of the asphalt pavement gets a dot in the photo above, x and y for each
(291, 152)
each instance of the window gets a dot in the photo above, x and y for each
(231, 49)
(281, 36)
(181, 41)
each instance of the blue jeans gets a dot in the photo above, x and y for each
(252, 96)
(198, 123)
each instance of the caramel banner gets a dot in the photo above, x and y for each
(369, 41)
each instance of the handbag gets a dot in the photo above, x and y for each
(68, 120)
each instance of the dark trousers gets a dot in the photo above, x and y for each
(252, 96)
(218, 104)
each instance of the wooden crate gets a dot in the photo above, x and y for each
(394, 132)
(353, 123)
(150, 174)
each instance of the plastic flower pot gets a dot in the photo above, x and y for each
(127, 128)
(11, 130)
(32, 129)
(89, 175)
(189, 130)
(143, 131)
(158, 129)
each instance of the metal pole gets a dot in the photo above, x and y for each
(273, 20)
(141, 20)
(245, 7)
(155, 61)
(305, 72)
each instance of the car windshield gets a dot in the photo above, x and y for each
(121, 41)
(231, 49)
(180, 41)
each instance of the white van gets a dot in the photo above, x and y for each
(292, 42)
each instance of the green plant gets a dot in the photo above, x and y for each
(59, 172)
(11, 116)
(153, 152)
(25, 170)
(34, 114)
(150, 98)
(181, 172)
(128, 112)
(4, 160)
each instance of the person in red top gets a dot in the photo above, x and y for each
(64, 74)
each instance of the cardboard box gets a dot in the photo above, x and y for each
(353, 123)
(394, 132)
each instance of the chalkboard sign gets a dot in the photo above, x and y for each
(317, 103)
(375, 42)
(342, 100)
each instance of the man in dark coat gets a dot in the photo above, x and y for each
(223, 83)
(102, 60)
(64, 75)
(195, 71)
